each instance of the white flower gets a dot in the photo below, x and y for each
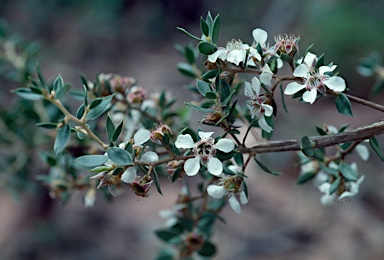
(204, 151)
(229, 186)
(256, 104)
(327, 198)
(362, 151)
(171, 214)
(310, 60)
(353, 188)
(235, 52)
(129, 175)
(141, 136)
(314, 80)
(260, 36)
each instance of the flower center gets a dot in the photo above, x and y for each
(313, 80)
(204, 149)
(234, 44)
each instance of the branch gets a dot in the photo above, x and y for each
(359, 134)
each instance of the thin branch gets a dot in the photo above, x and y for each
(358, 134)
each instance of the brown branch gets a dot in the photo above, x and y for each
(358, 134)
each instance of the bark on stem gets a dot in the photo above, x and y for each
(361, 133)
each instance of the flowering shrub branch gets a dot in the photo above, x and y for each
(146, 138)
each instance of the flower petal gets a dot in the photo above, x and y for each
(268, 110)
(260, 36)
(301, 71)
(248, 90)
(217, 54)
(150, 157)
(327, 200)
(324, 69)
(293, 87)
(254, 53)
(141, 136)
(225, 145)
(184, 141)
(129, 175)
(362, 151)
(236, 56)
(216, 191)
(266, 76)
(234, 203)
(264, 125)
(256, 85)
(205, 135)
(310, 60)
(243, 198)
(310, 96)
(215, 166)
(192, 166)
(335, 83)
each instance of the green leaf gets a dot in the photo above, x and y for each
(376, 147)
(118, 171)
(61, 91)
(306, 146)
(206, 48)
(239, 159)
(62, 138)
(334, 186)
(265, 168)
(273, 64)
(343, 105)
(207, 250)
(36, 90)
(176, 174)
(211, 95)
(216, 29)
(186, 69)
(80, 112)
(204, 27)
(285, 57)
(84, 80)
(119, 156)
(85, 96)
(305, 177)
(41, 78)
(190, 54)
(110, 128)
(157, 182)
(26, 93)
(377, 86)
(320, 61)
(117, 132)
(99, 109)
(203, 87)
(204, 110)
(48, 125)
(283, 98)
(166, 234)
(348, 172)
(187, 33)
(225, 91)
(321, 131)
(210, 74)
(58, 83)
(92, 160)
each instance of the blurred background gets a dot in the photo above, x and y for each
(137, 39)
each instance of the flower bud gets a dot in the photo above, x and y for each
(233, 184)
(288, 44)
(136, 95)
(141, 186)
(157, 135)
